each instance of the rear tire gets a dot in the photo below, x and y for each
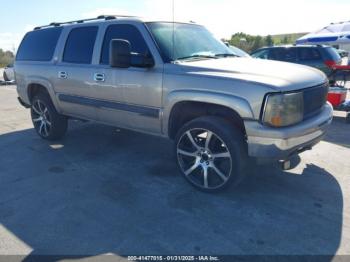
(5, 76)
(211, 153)
(48, 123)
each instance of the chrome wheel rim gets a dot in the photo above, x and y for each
(204, 158)
(41, 118)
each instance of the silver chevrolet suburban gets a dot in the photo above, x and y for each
(173, 80)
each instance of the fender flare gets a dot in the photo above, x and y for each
(46, 84)
(235, 103)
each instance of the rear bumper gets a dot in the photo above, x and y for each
(281, 143)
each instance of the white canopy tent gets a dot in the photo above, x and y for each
(334, 34)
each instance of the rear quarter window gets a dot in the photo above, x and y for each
(39, 45)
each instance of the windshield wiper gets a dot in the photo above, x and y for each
(226, 55)
(196, 56)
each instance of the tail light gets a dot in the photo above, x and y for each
(330, 63)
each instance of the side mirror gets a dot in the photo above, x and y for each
(147, 61)
(120, 53)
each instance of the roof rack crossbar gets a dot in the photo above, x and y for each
(101, 17)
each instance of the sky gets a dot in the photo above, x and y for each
(222, 17)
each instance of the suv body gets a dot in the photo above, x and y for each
(317, 56)
(219, 109)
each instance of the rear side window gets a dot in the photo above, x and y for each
(331, 54)
(309, 54)
(126, 32)
(80, 45)
(283, 54)
(39, 45)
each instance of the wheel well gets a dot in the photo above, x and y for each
(183, 112)
(34, 89)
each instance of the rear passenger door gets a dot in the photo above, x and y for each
(74, 84)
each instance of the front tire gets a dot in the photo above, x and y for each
(211, 153)
(48, 123)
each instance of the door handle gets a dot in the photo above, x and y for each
(99, 77)
(62, 75)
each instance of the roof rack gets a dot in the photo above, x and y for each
(101, 17)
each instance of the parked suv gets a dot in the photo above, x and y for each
(318, 56)
(9, 74)
(173, 80)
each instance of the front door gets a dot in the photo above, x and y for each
(131, 97)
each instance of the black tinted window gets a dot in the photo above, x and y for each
(126, 32)
(39, 45)
(283, 54)
(80, 45)
(307, 54)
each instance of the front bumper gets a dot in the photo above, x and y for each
(281, 143)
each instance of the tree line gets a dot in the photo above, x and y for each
(6, 57)
(250, 43)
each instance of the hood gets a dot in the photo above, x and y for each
(280, 76)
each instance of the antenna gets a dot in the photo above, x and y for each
(173, 29)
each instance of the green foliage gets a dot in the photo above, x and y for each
(287, 38)
(6, 57)
(249, 43)
(269, 40)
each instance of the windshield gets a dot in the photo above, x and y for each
(189, 41)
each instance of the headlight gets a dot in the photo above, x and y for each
(284, 109)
